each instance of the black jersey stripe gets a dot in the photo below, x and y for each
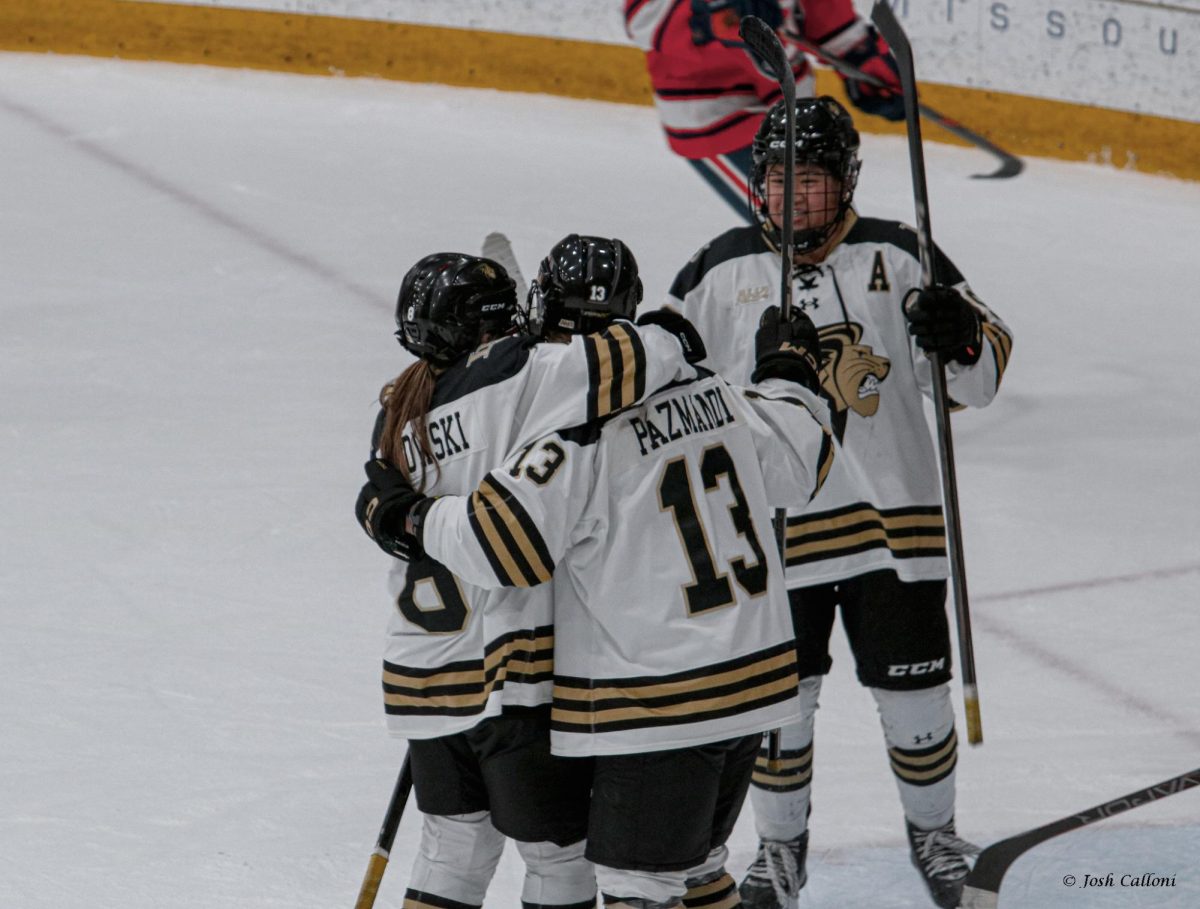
(591, 350)
(614, 354)
(527, 644)
(673, 679)
(824, 462)
(733, 244)
(619, 701)
(510, 540)
(697, 712)
(490, 365)
(915, 532)
(1001, 345)
(531, 548)
(601, 705)
(518, 660)
(542, 636)
(487, 533)
(524, 657)
(633, 360)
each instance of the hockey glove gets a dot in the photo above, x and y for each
(391, 511)
(684, 331)
(943, 321)
(787, 350)
(719, 20)
(872, 56)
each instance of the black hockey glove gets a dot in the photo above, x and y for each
(718, 20)
(943, 321)
(391, 511)
(683, 330)
(787, 350)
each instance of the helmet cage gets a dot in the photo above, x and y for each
(825, 137)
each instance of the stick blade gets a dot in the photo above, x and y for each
(761, 39)
(498, 248)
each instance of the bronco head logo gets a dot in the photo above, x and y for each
(850, 371)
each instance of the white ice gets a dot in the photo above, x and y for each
(197, 276)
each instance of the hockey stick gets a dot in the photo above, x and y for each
(885, 20)
(982, 888)
(387, 835)
(762, 40)
(1010, 165)
(497, 247)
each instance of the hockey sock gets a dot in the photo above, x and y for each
(923, 748)
(781, 790)
(557, 876)
(455, 861)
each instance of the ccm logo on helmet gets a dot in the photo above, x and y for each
(917, 668)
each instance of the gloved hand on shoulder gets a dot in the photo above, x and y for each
(787, 349)
(390, 510)
(684, 331)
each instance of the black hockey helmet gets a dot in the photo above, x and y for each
(583, 285)
(449, 301)
(825, 136)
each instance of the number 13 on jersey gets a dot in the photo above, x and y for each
(710, 588)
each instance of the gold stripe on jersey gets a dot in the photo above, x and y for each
(1001, 343)
(463, 688)
(720, 893)
(616, 369)
(926, 766)
(792, 770)
(711, 692)
(510, 540)
(908, 533)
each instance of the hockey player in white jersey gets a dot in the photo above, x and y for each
(872, 543)
(467, 675)
(673, 640)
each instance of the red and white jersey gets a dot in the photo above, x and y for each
(711, 98)
(457, 653)
(671, 620)
(881, 506)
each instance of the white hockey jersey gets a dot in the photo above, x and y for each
(881, 506)
(457, 653)
(671, 620)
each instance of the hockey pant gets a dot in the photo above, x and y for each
(918, 727)
(458, 856)
(706, 885)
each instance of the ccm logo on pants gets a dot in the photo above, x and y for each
(917, 668)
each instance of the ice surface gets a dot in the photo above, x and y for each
(197, 275)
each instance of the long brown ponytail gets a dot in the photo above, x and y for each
(406, 401)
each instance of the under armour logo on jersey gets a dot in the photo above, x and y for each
(805, 305)
(923, 739)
